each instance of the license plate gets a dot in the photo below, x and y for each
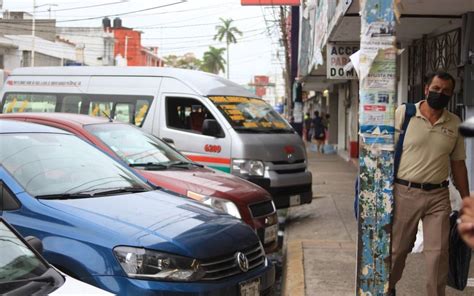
(295, 200)
(270, 234)
(250, 288)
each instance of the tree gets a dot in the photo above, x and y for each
(228, 32)
(213, 61)
(186, 61)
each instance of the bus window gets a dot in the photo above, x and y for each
(71, 104)
(24, 102)
(100, 108)
(123, 112)
(141, 110)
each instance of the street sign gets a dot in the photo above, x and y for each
(337, 56)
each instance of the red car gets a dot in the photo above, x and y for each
(163, 166)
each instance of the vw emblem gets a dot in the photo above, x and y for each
(291, 158)
(242, 261)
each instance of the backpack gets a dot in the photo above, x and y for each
(410, 111)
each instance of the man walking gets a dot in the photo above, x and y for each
(318, 131)
(431, 148)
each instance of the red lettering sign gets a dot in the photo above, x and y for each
(212, 148)
(375, 108)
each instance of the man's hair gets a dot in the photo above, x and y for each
(442, 75)
(316, 113)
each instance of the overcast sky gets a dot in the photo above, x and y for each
(180, 27)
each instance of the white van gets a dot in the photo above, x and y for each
(213, 121)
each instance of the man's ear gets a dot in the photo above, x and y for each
(427, 90)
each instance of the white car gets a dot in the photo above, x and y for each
(23, 271)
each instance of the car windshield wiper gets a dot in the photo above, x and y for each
(280, 131)
(263, 130)
(149, 165)
(63, 195)
(46, 278)
(185, 164)
(112, 191)
(250, 130)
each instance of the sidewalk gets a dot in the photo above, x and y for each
(320, 238)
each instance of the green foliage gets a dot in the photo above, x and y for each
(213, 61)
(186, 61)
(227, 32)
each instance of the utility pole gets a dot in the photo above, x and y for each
(377, 75)
(33, 24)
(126, 50)
(287, 70)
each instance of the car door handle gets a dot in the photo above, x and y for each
(168, 140)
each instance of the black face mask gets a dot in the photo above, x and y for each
(437, 101)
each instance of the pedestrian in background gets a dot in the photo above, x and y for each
(318, 131)
(307, 126)
(432, 146)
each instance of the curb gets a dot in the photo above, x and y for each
(293, 271)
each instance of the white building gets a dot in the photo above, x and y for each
(97, 44)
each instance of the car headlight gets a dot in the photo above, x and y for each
(148, 264)
(220, 204)
(248, 167)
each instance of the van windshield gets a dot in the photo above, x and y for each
(250, 115)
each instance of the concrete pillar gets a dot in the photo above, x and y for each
(341, 117)
(333, 120)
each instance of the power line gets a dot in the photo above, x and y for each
(120, 14)
(82, 7)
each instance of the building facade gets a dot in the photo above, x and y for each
(431, 35)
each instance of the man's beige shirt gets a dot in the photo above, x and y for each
(428, 149)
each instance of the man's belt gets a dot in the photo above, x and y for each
(422, 186)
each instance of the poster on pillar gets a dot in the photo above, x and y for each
(377, 74)
(377, 97)
(337, 57)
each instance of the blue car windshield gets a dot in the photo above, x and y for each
(47, 164)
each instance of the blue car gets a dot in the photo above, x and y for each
(102, 224)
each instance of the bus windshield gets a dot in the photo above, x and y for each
(250, 115)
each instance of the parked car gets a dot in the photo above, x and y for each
(102, 224)
(166, 167)
(213, 121)
(23, 271)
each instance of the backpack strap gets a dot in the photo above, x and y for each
(410, 111)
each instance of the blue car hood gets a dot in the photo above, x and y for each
(160, 221)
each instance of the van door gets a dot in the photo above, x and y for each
(182, 120)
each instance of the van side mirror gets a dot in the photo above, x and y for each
(467, 128)
(210, 127)
(35, 243)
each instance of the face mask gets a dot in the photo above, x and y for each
(437, 101)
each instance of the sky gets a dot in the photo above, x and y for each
(179, 26)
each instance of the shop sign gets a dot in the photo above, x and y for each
(338, 57)
(271, 2)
